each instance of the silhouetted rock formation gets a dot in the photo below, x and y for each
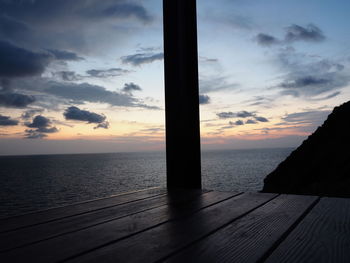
(321, 165)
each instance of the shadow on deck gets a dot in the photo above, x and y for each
(156, 225)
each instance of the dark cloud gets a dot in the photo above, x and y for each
(332, 95)
(240, 114)
(310, 77)
(112, 72)
(12, 29)
(15, 100)
(67, 10)
(308, 33)
(30, 113)
(90, 93)
(68, 75)
(142, 58)
(261, 119)
(204, 99)
(293, 33)
(7, 121)
(226, 115)
(40, 127)
(32, 134)
(302, 82)
(20, 62)
(237, 123)
(130, 87)
(74, 113)
(64, 55)
(250, 121)
(244, 114)
(11, 99)
(266, 40)
(39, 122)
(126, 10)
(70, 25)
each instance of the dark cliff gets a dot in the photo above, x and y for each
(321, 165)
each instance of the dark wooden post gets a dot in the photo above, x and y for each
(181, 94)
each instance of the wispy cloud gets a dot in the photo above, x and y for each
(142, 58)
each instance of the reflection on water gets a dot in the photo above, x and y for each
(30, 183)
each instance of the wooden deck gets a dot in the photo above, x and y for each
(183, 226)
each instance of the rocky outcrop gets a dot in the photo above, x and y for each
(321, 165)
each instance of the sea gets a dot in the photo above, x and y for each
(37, 182)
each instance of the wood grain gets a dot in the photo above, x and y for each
(65, 246)
(249, 238)
(323, 236)
(13, 223)
(36, 233)
(158, 242)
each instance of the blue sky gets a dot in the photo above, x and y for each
(87, 76)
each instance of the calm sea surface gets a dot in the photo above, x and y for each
(30, 183)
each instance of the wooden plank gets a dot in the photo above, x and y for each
(63, 247)
(28, 235)
(249, 238)
(158, 242)
(13, 223)
(181, 94)
(323, 235)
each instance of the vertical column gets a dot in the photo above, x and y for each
(181, 94)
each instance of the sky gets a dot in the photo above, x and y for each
(87, 76)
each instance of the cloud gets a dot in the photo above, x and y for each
(215, 84)
(261, 119)
(15, 100)
(310, 77)
(266, 40)
(71, 25)
(250, 121)
(244, 114)
(40, 127)
(68, 75)
(20, 62)
(308, 33)
(130, 87)
(12, 29)
(85, 92)
(112, 72)
(310, 86)
(259, 100)
(126, 10)
(226, 115)
(204, 99)
(207, 60)
(142, 58)
(64, 55)
(67, 10)
(240, 114)
(74, 113)
(306, 117)
(7, 121)
(30, 113)
(237, 123)
(32, 134)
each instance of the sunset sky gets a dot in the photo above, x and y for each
(87, 75)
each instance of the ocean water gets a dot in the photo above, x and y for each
(31, 183)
